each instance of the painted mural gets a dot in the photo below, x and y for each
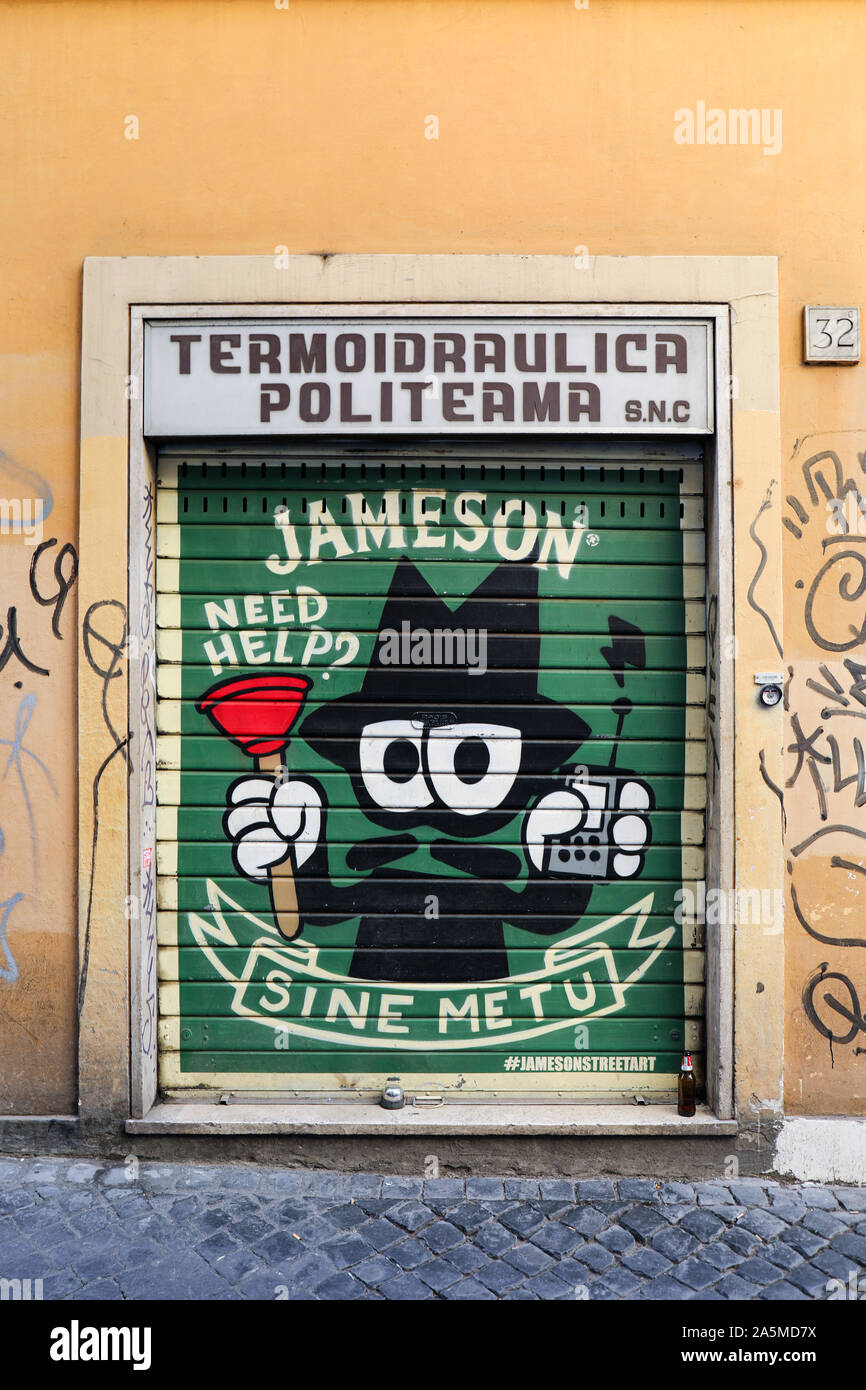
(428, 787)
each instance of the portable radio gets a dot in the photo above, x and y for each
(585, 852)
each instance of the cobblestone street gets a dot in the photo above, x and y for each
(177, 1231)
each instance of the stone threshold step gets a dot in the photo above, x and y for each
(341, 1117)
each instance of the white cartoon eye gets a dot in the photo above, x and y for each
(391, 765)
(473, 766)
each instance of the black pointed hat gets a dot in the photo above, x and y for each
(505, 608)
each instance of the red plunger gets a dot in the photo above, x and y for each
(257, 714)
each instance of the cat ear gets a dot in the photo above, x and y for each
(410, 599)
(407, 581)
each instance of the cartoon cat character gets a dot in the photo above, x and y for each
(461, 753)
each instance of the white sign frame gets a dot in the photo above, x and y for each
(482, 372)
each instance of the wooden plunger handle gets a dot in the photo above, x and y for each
(281, 877)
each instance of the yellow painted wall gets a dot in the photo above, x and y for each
(261, 127)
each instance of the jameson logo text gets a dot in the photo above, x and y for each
(236, 377)
(425, 520)
(439, 646)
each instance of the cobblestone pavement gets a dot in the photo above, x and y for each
(178, 1231)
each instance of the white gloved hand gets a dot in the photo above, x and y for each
(267, 818)
(558, 813)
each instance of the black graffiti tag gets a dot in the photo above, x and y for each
(840, 708)
(65, 575)
(830, 999)
(807, 753)
(762, 562)
(832, 493)
(12, 646)
(101, 648)
(851, 588)
(98, 645)
(829, 1014)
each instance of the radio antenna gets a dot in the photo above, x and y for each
(627, 648)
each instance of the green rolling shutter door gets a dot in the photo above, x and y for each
(432, 769)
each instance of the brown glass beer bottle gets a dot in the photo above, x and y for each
(686, 1087)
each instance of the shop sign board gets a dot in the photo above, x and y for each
(235, 378)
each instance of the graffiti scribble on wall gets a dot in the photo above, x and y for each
(826, 710)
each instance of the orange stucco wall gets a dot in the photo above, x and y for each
(307, 127)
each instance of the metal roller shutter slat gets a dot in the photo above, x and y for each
(457, 849)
